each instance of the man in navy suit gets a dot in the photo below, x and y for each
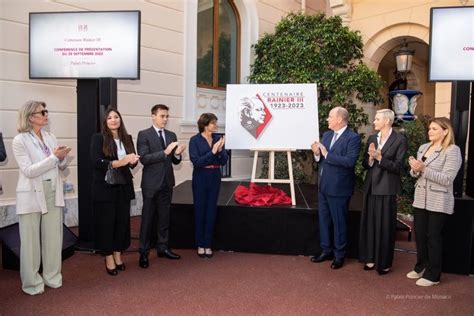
(159, 150)
(337, 154)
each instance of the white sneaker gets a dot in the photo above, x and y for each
(425, 282)
(415, 275)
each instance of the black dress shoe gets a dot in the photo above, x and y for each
(168, 254)
(337, 263)
(120, 267)
(367, 268)
(209, 254)
(143, 261)
(383, 272)
(201, 254)
(322, 257)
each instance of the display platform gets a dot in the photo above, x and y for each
(294, 230)
(284, 229)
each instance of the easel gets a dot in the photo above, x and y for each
(271, 170)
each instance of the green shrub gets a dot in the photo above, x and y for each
(416, 133)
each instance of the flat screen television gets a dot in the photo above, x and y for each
(452, 44)
(84, 45)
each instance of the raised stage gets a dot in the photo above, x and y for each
(294, 230)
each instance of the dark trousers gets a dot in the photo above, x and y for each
(429, 242)
(333, 212)
(377, 230)
(112, 226)
(156, 207)
(206, 185)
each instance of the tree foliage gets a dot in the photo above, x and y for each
(318, 49)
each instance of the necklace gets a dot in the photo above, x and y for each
(44, 148)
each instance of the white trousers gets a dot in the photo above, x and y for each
(41, 237)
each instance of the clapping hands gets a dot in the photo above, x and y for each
(131, 159)
(374, 153)
(179, 149)
(416, 165)
(217, 147)
(61, 152)
(170, 148)
(319, 149)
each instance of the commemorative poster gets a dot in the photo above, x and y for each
(271, 116)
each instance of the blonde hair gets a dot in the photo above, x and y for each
(24, 113)
(387, 114)
(445, 124)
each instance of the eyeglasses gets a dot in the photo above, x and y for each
(42, 112)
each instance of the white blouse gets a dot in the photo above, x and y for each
(121, 152)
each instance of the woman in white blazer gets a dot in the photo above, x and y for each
(436, 167)
(40, 199)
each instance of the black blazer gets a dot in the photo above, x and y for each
(3, 153)
(101, 190)
(383, 178)
(157, 167)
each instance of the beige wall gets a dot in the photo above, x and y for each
(162, 75)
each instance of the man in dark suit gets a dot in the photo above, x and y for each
(3, 156)
(158, 150)
(3, 152)
(337, 154)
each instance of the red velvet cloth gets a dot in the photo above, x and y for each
(265, 195)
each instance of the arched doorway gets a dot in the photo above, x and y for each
(379, 55)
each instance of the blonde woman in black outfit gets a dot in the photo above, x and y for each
(384, 161)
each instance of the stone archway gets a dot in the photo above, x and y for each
(379, 51)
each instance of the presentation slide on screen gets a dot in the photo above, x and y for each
(84, 45)
(452, 44)
(271, 116)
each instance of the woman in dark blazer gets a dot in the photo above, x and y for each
(207, 153)
(436, 166)
(112, 148)
(384, 161)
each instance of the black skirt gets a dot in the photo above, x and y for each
(112, 222)
(377, 230)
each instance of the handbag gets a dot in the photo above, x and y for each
(114, 176)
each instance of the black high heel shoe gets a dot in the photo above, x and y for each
(110, 271)
(120, 267)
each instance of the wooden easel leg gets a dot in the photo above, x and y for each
(292, 183)
(254, 167)
(271, 168)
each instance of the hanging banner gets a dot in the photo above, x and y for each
(271, 116)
